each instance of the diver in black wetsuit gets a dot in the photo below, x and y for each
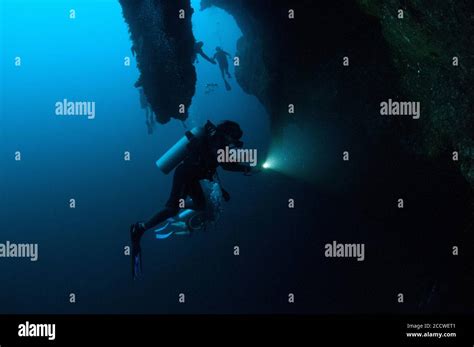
(221, 57)
(200, 163)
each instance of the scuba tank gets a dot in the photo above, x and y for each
(180, 149)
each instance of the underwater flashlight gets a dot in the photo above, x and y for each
(266, 165)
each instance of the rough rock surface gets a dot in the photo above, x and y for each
(423, 45)
(167, 53)
(404, 59)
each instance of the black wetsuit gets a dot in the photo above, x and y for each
(201, 163)
(221, 57)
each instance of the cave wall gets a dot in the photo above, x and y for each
(422, 47)
(167, 55)
(300, 63)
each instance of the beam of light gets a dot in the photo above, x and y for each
(297, 152)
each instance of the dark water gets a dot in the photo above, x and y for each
(81, 250)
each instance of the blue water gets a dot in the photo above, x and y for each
(81, 250)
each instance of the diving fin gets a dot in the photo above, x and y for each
(136, 252)
(137, 265)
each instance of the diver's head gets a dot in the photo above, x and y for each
(230, 133)
(199, 44)
(218, 49)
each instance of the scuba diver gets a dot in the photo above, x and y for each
(198, 50)
(148, 111)
(195, 159)
(221, 57)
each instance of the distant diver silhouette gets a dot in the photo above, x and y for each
(195, 158)
(148, 111)
(198, 50)
(221, 57)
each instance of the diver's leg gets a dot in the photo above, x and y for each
(226, 84)
(227, 71)
(159, 217)
(178, 191)
(136, 232)
(138, 229)
(222, 72)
